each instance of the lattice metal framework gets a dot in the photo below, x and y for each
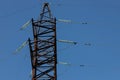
(43, 48)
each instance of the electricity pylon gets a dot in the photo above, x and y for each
(43, 49)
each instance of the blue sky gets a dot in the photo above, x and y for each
(101, 59)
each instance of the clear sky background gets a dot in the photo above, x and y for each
(101, 59)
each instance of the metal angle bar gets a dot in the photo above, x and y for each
(44, 26)
(46, 47)
(43, 50)
(55, 52)
(45, 32)
(47, 36)
(51, 20)
(43, 73)
(46, 74)
(47, 40)
(48, 60)
(40, 21)
(45, 21)
(30, 52)
(45, 53)
(44, 12)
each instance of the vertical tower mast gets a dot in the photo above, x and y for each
(43, 48)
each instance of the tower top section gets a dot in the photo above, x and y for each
(46, 12)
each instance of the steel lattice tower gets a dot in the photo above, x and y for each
(43, 48)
